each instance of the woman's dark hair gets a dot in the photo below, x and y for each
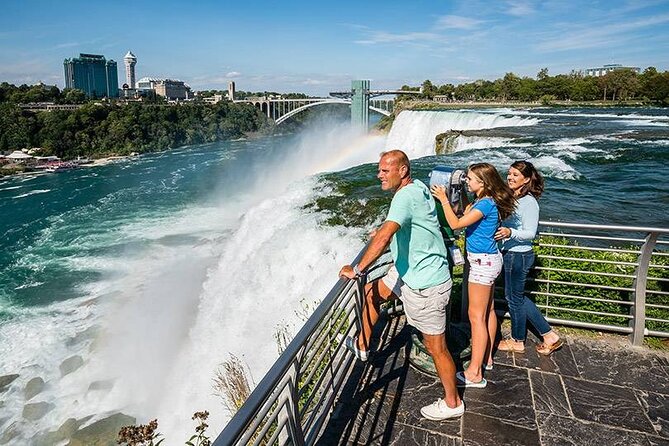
(495, 187)
(535, 186)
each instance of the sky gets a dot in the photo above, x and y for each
(318, 46)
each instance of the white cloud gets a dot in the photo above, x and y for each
(233, 74)
(457, 22)
(386, 37)
(68, 45)
(314, 82)
(597, 35)
(520, 8)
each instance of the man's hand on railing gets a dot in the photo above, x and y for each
(347, 272)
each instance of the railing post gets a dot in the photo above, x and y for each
(291, 412)
(359, 300)
(638, 321)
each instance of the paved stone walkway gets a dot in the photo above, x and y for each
(587, 393)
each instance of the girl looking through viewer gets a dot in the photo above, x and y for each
(494, 202)
(517, 233)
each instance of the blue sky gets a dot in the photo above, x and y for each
(319, 46)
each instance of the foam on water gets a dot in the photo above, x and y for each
(621, 117)
(33, 192)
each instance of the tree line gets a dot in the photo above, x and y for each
(650, 86)
(96, 130)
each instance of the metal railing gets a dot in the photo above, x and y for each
(293, 402)
(604, 277)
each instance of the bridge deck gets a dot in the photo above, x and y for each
(588, 393)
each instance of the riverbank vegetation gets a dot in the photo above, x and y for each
(649, 87)
(99, 130)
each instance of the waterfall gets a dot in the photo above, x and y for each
(414, 131)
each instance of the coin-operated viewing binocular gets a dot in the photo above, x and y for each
(454, 181)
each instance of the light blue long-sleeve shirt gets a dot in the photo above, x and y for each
(523, 223)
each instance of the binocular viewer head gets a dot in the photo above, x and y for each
(453, 180)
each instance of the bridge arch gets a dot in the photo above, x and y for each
(324, 102)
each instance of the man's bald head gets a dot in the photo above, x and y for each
(397, 157)
(394, 170)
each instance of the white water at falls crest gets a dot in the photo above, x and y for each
(414, 132)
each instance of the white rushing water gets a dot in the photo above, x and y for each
(414, 131)
(184, 291)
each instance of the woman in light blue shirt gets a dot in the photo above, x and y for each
(517, 233)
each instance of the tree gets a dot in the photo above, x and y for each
(74, 96)
(542, 74)
(623, 83)
(510, 84)
(428, 90)
(527, 89)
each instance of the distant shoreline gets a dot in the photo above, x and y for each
(93, 163)
(433, 105)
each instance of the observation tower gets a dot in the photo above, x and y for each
(130, 62)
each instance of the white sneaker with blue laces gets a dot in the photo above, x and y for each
(438, 410)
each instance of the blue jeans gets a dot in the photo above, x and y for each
(516, 267)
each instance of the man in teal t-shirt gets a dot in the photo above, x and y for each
(419, 277)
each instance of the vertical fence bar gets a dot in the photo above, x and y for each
(638, 322)
(359, 299)
(291, 411)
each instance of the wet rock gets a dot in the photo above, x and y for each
(63, 433)
(82, 336)
(10, 433)
(33, 387)
(35, 411)
(71, 364)
(101, 433)
(101, 385)
(446, 142)
(6, 380)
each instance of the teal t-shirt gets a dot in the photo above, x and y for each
(417, 247)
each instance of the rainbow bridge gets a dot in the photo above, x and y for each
(360, 98)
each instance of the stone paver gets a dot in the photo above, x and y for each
(587, 393)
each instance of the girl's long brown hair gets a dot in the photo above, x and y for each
(495, 188)
(536, 185)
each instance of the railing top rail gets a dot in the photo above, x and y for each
(559, 224)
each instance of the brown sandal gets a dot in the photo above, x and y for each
(546, 350)
(506, 345)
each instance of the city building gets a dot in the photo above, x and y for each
(215, 99)
(93, 74)
(172, 90)
(601, 71)
(130, 62)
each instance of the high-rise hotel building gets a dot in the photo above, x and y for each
(93, 74)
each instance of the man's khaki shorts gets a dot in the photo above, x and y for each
(425, 309)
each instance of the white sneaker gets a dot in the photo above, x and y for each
(438, 410)
(351, 344)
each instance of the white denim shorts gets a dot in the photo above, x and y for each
(425, 309)
(484, 268)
